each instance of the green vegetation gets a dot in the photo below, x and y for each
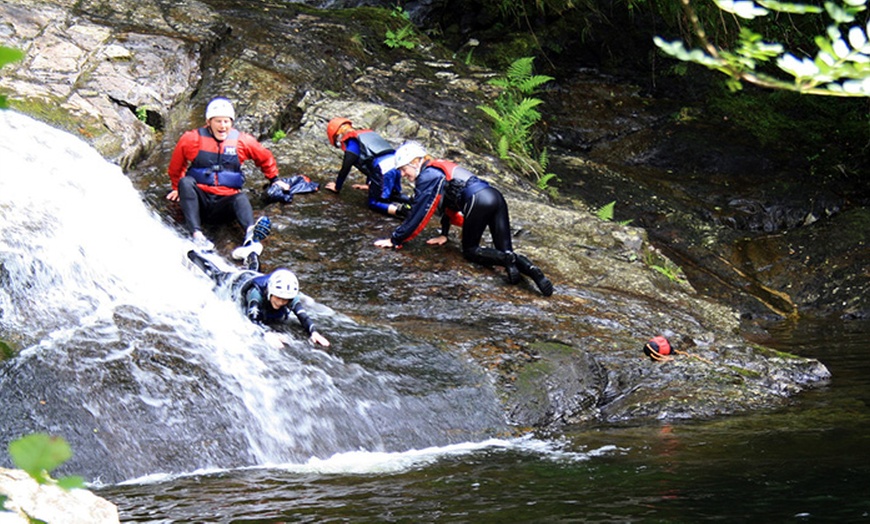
(142, 114)
(664, 266)
(40, 454)
(840, 66)
(543, 183)
(606, 213)
(514, 116)
(7, 56)
(404, 36)
(53, 113)
(6, 350)
(278, 135)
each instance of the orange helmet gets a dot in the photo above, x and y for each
(332, 129)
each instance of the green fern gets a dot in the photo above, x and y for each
(405, 36)
(664, 266)
(606, 211)
(544, 159)
(544, 181)
(514, 117)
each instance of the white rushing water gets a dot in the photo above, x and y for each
(77, 244)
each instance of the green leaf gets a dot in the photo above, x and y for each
(544, 181)
(39, 454)
(786, 7)
(606, 211)
(71, 482)
(520, 68)
(544, 159)
(490, 112)
(838, 14)
(8, 55)
(529, 85)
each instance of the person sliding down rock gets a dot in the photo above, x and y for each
(466, 201)
(265, 298)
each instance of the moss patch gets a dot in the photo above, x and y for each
(52, 112)
(6, 351)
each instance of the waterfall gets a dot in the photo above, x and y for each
(132, 357)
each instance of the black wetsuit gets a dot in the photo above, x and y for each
(249, 289)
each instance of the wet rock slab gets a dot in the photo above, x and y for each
(572, 358)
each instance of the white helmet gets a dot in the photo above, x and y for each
(283, 284)
(408, 152)
(219, 107)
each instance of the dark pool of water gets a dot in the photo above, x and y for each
(807, 462)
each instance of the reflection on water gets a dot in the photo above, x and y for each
(806, 462)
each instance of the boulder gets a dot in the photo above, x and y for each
(28, 500)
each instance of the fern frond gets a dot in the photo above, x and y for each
(544, 181)
(531, 84)
(521, 68)
(503, 147)
(527, 105)
(544, 159)
(606, 211)
(490, 112)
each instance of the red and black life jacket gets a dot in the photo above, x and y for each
(462, 184)
(217, 163)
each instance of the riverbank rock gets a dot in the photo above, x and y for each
(130, 77)
(28, 500)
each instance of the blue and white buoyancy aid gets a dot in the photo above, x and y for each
(373, 149)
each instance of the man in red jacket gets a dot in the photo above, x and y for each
(207, 178)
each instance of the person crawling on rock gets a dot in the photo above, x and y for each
(265, 298)
(373, 157)
(464, 200)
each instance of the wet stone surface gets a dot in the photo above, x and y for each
(306, 66)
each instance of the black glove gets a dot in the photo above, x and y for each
(254, 314)
(403, 210)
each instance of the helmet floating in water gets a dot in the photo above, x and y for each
(408, 152)
(220, 107)
(333, 127)
(283, 284)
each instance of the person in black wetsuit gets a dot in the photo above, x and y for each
(464, 200)
(266, 298)
(373, 157)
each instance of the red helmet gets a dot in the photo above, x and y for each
(657, 348)
(332, 129)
